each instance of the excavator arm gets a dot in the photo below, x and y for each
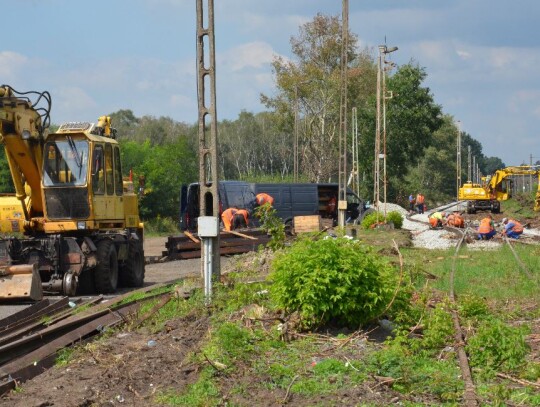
(22, 124)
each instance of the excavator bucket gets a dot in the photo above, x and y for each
(20, 282)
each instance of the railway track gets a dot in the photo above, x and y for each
(470, 397)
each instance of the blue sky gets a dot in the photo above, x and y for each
(482, 57)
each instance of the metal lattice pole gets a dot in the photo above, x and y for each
(342, 199)
(208, 222)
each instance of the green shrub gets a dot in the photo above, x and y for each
(271, 224)
(497, 346)
(371, 218)
(337, 280)
(160, 225)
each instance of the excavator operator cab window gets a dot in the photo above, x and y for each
(65, 163)
(98, 175)
(109, 181)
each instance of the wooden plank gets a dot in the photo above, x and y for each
(233, 232)
(191, 237)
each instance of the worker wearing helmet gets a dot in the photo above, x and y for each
(486, 230)
(436, 220)
(512, 228)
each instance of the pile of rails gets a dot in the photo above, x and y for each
(188, 246)
(31, 339)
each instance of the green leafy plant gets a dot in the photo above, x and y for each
(272, 225)
(393, 217)
(497, 346)
(337, 280)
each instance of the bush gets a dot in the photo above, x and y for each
(394, 216)
(338, 280)
(160, 225)
(271, 224)
(497, 346)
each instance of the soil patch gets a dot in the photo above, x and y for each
(128, 368)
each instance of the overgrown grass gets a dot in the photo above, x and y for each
(520, 206)
(161, 226)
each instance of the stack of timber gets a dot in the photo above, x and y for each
(188, 246)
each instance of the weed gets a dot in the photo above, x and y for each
(203, 393)
(393, 217)
(64, 357)
(159, 226)
(497, 346)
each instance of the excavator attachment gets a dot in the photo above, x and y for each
(20, 282)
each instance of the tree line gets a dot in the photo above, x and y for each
(420, 137)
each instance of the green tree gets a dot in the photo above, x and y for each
(311, 86)
(412, 118)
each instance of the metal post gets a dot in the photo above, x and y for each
(458, 161)
(530, 175)
(208, 222)
(295, 147)
(469, 177)
(377, 136)
(342, 199)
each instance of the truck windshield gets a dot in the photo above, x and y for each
(65, 163)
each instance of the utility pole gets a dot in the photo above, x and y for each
(530, 175)
(342, 198)
(469, 177)
(208, 222)
(295, 147)
(381, 94)
(355, 170)
(458, 160)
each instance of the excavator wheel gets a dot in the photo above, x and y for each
(106, 272)
(86, 283)
(132, 272)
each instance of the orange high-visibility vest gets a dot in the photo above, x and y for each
(227, 218)
(518, 227)
(420, 199)
(485, 226)
(263, 198)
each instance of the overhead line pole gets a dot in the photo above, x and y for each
(342, 179)
(208, 222)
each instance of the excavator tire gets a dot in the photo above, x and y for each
(86, 283)
(106, 272)
(132, 272)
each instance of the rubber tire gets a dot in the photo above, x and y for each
(132, 271)
(106, 272)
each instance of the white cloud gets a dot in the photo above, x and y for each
(250, 55)
(73, 101)
(10, 64)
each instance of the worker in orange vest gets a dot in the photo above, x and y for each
(456, 220)
(486, 230)
(263, 198)
(437, 219)
(512, 228)
(227, 217)
(240, 219)
(420, 202)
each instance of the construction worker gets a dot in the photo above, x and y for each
(456, 220)
(436, 220)
(412, 202)
(227, 217)
(512, 228)
(240, 219)
(486, 230)
(420, 202)
(263, 198)
(331, 207)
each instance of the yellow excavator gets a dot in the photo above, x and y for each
(494, 188)
(81, 226)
